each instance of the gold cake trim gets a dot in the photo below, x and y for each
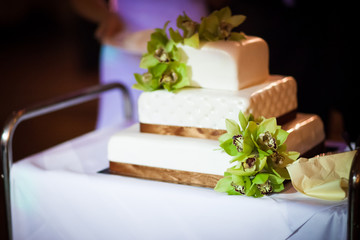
(164, 174)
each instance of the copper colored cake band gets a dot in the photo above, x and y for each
(206, 133)
(165, 175)
(195, 132)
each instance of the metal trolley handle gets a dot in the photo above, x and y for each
(354, 198)
(45, 108)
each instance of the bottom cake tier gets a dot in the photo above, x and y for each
(195, 161)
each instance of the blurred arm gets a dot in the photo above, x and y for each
(93, 10)
(109, 23)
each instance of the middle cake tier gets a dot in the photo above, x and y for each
(192, 111)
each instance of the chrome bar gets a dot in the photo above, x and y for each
(354, 198)
(45, 108)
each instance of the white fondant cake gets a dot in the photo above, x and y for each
(228, 65)
(226, 77)
(199, 155)
(208, 108)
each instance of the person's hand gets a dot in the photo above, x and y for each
(110, 26)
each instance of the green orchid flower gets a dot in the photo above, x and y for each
(219, 25)
(259, 155)
(165, 70)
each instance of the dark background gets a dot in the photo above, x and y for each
(47, 50)
(313, 41)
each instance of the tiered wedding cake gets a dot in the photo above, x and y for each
(193, 84)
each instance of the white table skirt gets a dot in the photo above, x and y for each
(59, 194)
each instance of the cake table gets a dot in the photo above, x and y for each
(62, 193)
(59, 194)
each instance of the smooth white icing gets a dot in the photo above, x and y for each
(228, 65)
(172, 152)
(208, 108)
(199, 155)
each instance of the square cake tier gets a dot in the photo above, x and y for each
(193, 161)
(227, 65)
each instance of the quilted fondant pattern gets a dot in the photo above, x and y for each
(208, 108)
(275, 99)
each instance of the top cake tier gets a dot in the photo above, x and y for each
(227, 65)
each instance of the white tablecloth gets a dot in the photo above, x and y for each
(59, 194)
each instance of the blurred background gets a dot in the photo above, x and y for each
(48, 50)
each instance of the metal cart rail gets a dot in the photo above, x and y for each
(53, 105)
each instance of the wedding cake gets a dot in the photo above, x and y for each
(195, 82)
